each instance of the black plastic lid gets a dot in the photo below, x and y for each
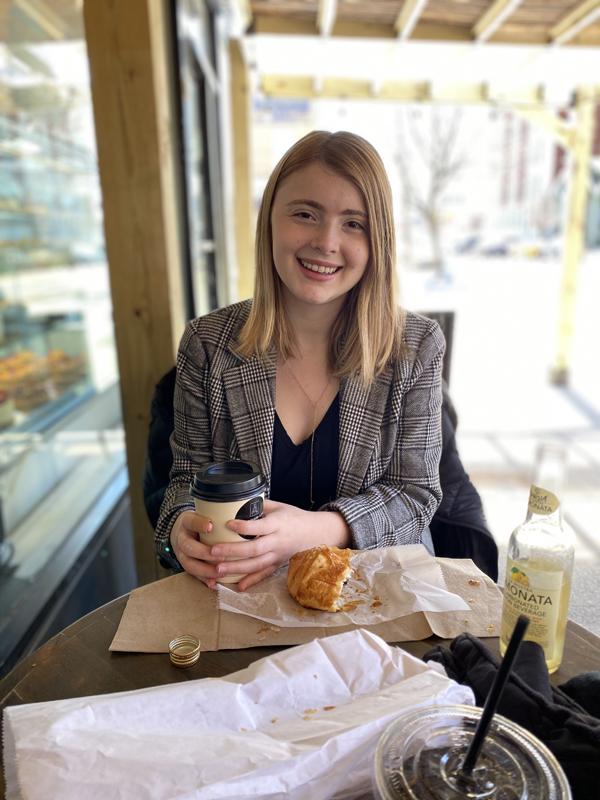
(227, 480)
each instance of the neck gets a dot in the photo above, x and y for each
(312, 326)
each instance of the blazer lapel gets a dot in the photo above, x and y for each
(250, 393)
(361, 414)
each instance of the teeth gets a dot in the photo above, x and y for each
(320, 269)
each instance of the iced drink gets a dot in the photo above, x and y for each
(420, 755)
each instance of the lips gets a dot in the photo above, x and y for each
(319, 269)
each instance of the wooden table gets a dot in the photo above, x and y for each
(77, 662)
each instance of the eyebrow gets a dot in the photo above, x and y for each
(348, 212)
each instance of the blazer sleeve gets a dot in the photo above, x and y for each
(191, 438)
(398, 505)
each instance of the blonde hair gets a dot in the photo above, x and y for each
(368, 331)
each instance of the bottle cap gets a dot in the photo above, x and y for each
(184, 650)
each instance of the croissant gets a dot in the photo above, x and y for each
(316, 576)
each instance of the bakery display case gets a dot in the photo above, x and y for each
(62, 455)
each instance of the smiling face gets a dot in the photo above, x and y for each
(320, 236)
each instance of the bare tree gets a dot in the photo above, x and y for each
(441, 161)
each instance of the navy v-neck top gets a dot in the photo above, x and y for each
(290, 463)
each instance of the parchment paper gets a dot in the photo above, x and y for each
(297, 725)
(160, 611)
(386, 583)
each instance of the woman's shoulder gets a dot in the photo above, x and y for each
(421, 331)
(220, 326)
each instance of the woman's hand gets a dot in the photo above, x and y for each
(282, 531)
(194, 556)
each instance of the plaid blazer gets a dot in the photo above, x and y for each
(390, 438)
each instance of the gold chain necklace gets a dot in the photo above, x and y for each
(315, 406)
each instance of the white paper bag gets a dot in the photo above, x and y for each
(301, 724)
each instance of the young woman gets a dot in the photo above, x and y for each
(321, 379)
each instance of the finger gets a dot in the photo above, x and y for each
(199, 569)
(252, 527)
(271, 505)
(196, 522)
(226, 551)
(188, 546)
(250, 580)
(249, 565)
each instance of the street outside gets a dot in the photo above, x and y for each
(505, 336)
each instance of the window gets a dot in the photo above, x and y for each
(200, 97)
(61, 441)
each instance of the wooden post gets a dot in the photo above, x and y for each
(575, 231)
(132, 97)
(240, 118)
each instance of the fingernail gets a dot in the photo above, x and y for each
(209, 527)
(221, 569)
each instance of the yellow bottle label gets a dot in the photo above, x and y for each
(537, 594)
(541, 501)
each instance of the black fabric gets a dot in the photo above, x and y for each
(458, 528)
(291, 463)
(530, 700)
(585, 690)
(159, 457)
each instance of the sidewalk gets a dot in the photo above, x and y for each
(504, 346)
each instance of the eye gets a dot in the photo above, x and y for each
(356, 225)
(303, 215)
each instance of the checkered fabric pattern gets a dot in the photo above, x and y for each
(389, 438)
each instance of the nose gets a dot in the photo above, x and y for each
(325, 239)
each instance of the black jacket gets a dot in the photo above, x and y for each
(565, 718)
(458, 528)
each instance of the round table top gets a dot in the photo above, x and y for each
(77, 662)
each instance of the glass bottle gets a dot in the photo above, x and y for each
(539, 563)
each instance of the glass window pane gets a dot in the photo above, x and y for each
(60, 421)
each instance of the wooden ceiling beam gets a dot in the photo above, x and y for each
(492, 19)
(306, 86)
(264, 23)
(42, 15)
(582, 16)
(242, 12)
(408, 17)
(326, 14)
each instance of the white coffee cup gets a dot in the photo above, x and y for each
(227, 490)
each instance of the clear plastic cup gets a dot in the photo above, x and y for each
(420, 754)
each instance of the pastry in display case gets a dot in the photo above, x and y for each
(29, 381)
(65, 370)
(7, 410)
(24, 376)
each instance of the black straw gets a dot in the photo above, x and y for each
(493, 698)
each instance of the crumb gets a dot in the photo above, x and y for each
(315, 676)
(474, 582)
(470, 600)
(491, 628)
(274, 720)
(328, 708)
(350, 605)
(310, 711)
(376, 604)
(265, 630)
(465, 621)
(244, 730)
